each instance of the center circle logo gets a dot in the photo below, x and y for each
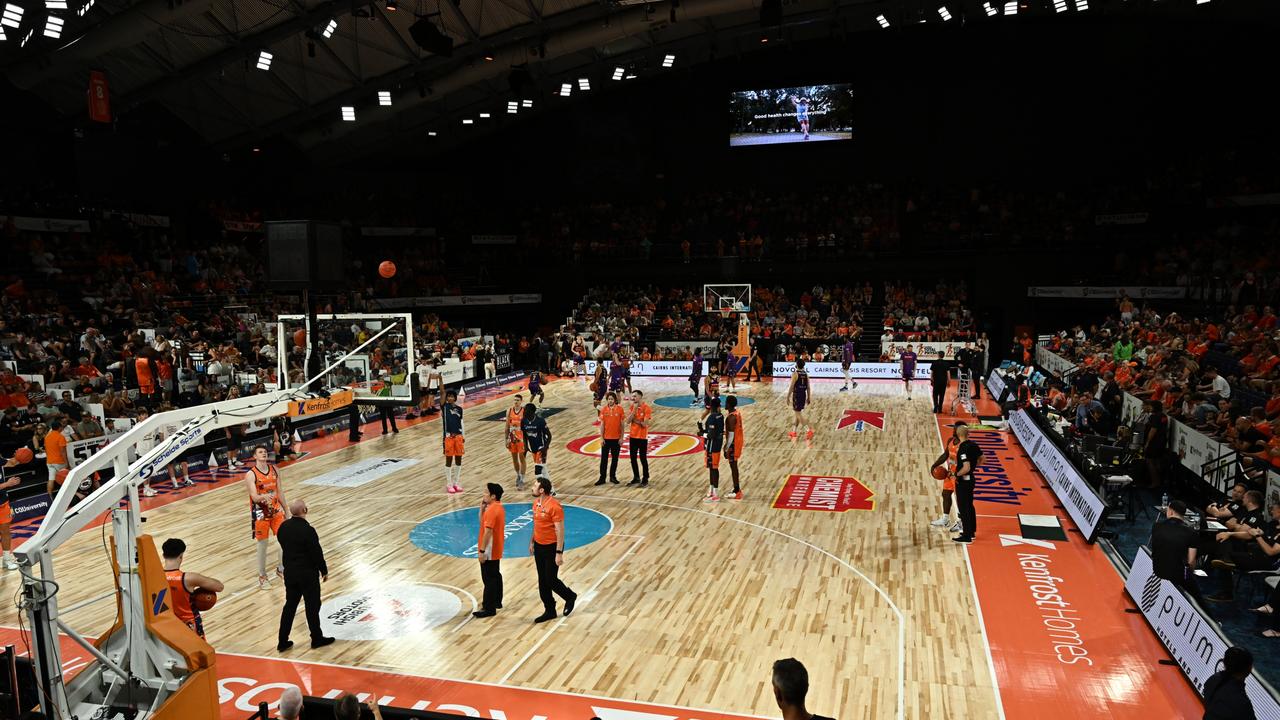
(661, 445)
(455, 533)
(388, 613)
(681, 402)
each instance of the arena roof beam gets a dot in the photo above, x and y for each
(456, 13)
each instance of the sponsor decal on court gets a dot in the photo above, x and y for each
(245, 680)
(455, 533)
(661, 445)
(825, 493)
(860, 420)
(362, 472)
(991, 481)
(388, 613)
(683, 402)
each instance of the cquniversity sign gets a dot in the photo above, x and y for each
(455, 533)
(991, 481)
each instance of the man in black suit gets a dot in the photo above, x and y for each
(939, 374)
(304, 568)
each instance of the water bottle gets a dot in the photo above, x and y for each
(1164, 501)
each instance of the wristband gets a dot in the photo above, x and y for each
(559, 552)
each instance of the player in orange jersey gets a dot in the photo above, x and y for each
(515, 438)
(268, 509)
(948, 460)
(734, 441)
(182, 584)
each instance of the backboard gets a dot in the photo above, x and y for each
(726, 298)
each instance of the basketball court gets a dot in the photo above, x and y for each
(683, 604)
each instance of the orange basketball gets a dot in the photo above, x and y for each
(203, 599)
(387, 269)
(939, 473)
(61, 477)
(300, 338)
(24, 455)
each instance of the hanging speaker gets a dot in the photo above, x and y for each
(429, 38)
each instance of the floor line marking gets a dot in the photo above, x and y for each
(587, 596)
(973, 586)
(902, 621)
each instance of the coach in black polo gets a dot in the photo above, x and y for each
(967, 457)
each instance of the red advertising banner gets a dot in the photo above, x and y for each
(99, 98)
(824, 493)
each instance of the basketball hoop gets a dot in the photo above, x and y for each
(724, 313)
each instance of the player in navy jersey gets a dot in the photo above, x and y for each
(847, 357)
(714, 446)
(537, 439)
(908, 360)
(799, 394)
(451, 427)
(695, 377)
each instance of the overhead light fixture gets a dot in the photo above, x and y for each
(330, 28)
(3, 37)
(565, 89)
(1060, 6)
(989, 10)
(884, 21)
(488, 56)
(264, 60)
(1011, 8)
(618, 73)
(391, 5)
(764, 39)
(526, 103)
(668, 61)
(468, 121)
(85, 8)
(513, 107)
(631, 76)
(53, 27)
(1082, 5)
(431, 133)
(348, 113)
(12, 16)
(584, 84)
(384, 98)
(1201, 2)
(945, 13)
(55, 4)
(27, 38)
(485, 116)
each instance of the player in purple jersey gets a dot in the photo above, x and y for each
(848, 355)
(617, 374)
(535, 386)
(730, 370)
(695, 378)
(908, 360)
(799, 394)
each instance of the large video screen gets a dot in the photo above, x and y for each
(810, 113)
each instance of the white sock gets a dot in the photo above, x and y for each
(262, 558)
(457, 475)
(448, 476)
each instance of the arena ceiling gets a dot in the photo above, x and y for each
(199, 58)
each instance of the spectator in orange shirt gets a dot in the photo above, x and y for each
(611, 417)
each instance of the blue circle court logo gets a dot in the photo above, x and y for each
(455, 533)
(682, 401)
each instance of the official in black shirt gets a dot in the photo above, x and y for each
(304, 568)
(1230, 508)
(1224, 693)
(967, 457)
(1173, 549)
(939, 373)
(1237, 549)
(790, 685)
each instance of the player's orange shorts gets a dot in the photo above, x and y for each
(264, 528)
(6, 513)
(949, 484)
(713, 460)
(539, 457)
(516, 447)
(735, 453)
(453, 446)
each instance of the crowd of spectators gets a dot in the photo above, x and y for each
(937, 314)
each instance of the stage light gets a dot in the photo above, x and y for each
(565, 89)
(1011, 8)
(12, 16)
(526, 103)
(668, 61)
(431, 133)
(468, 121)
(53, 27)
(1082, 5)
(618, 73)
(391, 5)
(513, 107)
(884, 21)
(488, 56)
(630, 77)
(55, 4)
(1060, 6)
(945, 13)
(1201, 2)
(264, 60)
(584, 84)
(330, 28)
(989, 10)
(384, 98)
(348, 113)
(484, 116)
